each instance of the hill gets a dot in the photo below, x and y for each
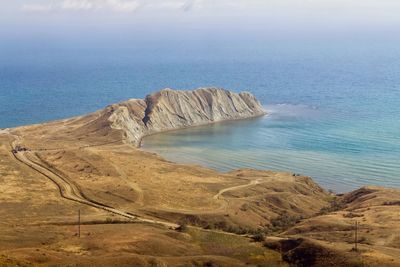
(137, 208)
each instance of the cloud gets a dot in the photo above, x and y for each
(188, 5)
(209, 5)
(77, 5)
(127, 6)
(113, 5)
(36, 7)
(84, 5)
(166, 4)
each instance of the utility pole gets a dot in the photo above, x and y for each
(356, 236)
(79, 223)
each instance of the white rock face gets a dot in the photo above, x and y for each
(171, 109)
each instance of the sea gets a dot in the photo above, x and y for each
(333, 109)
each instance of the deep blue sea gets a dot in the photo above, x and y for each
(334, 111)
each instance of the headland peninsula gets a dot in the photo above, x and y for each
(80, 192)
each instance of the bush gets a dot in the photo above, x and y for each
(335, 205)
(209, 263)
(259, 237)
(285, 221)
(182, 228)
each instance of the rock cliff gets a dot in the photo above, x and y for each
(171, 109)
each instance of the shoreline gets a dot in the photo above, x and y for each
(128, 121)
(121, 181)
(140, 147)
(200, 125)
(328, 189)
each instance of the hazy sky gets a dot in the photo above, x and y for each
(96, 23)
(335, 6)
(332, 11)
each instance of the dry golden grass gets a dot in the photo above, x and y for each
(37, 224)
(377, 211)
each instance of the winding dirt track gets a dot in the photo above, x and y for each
(233, 188)
(70, 191)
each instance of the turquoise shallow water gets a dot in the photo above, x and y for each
(294, 138)
(333, 109)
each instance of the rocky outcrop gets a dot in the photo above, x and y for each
(170, 109)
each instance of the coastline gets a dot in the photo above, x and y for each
(201, 125)
(119, 183)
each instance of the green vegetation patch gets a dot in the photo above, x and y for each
(230, 245)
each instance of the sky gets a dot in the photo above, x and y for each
(335, 12)
(334, 6)
(97, 24)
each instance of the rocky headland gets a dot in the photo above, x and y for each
(170, 110)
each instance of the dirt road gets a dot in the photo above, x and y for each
(233, 188)
(69, 190)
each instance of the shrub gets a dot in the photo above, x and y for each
(335, 205)
(285, 221)
(244, 207)
(182, 228)
(259, 237)
(209, 263)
